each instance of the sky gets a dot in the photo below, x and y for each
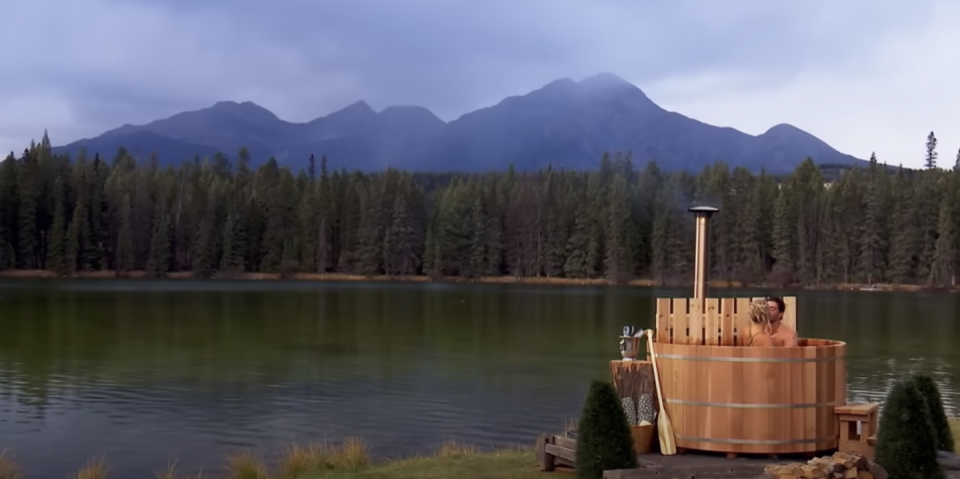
(863, 75)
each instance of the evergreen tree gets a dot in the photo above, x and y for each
(930, 160)
(603, 434)
(234, 242)
(125, 238)
(619, 258)
(938, 417)
(158, 264)
(205, 259)
(28, 181)
(56, 248)
(821, 224)
(906, 441)
(871, 234)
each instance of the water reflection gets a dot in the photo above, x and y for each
(146, 371)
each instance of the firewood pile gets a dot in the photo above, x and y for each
(840, 465)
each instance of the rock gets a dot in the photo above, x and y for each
(949, 460)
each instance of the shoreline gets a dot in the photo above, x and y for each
(542, 281)
(347, 460)
(351, 460)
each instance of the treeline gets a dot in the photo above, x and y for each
(871, 225)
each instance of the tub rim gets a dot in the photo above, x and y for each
(682, 350)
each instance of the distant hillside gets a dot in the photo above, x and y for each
(567, 124)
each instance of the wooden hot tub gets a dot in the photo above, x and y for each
(738, 399)
(725, 397)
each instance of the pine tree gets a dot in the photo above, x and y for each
(906, 441)
(476, 260)
(604, 441)
(56, 248)
(234, 245)
(938, 417)
(871, 242)
(28, 179)
(125, 238)
(77, 239)
(783, 233)
(158, 264)
(619, 259)
(930, 160)
(903, 236)
(204, 242)
(941, 271)
(577, 260)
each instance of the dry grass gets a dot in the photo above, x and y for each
(171, 473)
(246, 465)
(955, 428)
(451, 461)
(95, 469)
(9, 469)
(297, 460)
(454, 450)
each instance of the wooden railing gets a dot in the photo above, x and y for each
(719, 322)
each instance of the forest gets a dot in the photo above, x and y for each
(211, 218)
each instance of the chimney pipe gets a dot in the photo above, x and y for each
(702, 260)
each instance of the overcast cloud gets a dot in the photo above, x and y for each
(863, 75)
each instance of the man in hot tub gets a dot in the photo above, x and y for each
(768, 330)
(780, 334)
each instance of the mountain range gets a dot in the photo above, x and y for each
(565, 123)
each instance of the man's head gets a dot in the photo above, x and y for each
(775, 308)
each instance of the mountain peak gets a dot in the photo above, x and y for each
(247, 109)
(785, 129)
(610, 87)
(605, 79)
(358, 107)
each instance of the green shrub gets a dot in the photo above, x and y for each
(938, 417)
(603, 436)
(906, 442)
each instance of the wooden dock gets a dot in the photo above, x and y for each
(558, 452)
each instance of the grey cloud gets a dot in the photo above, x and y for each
(133, 60)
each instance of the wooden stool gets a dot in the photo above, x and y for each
(858, 424)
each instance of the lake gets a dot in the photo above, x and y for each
(149, 371)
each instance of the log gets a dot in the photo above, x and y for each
(633, 378)
(840, 465)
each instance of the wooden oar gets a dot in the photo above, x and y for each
(668, 445)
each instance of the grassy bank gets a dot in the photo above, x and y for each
(351, 460)
(39, 274)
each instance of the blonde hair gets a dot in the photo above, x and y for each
(758, 314)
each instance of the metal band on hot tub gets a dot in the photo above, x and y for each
(759, 441)
(682, 402)
(718, 359)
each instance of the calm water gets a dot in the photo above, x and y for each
(143, 372)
